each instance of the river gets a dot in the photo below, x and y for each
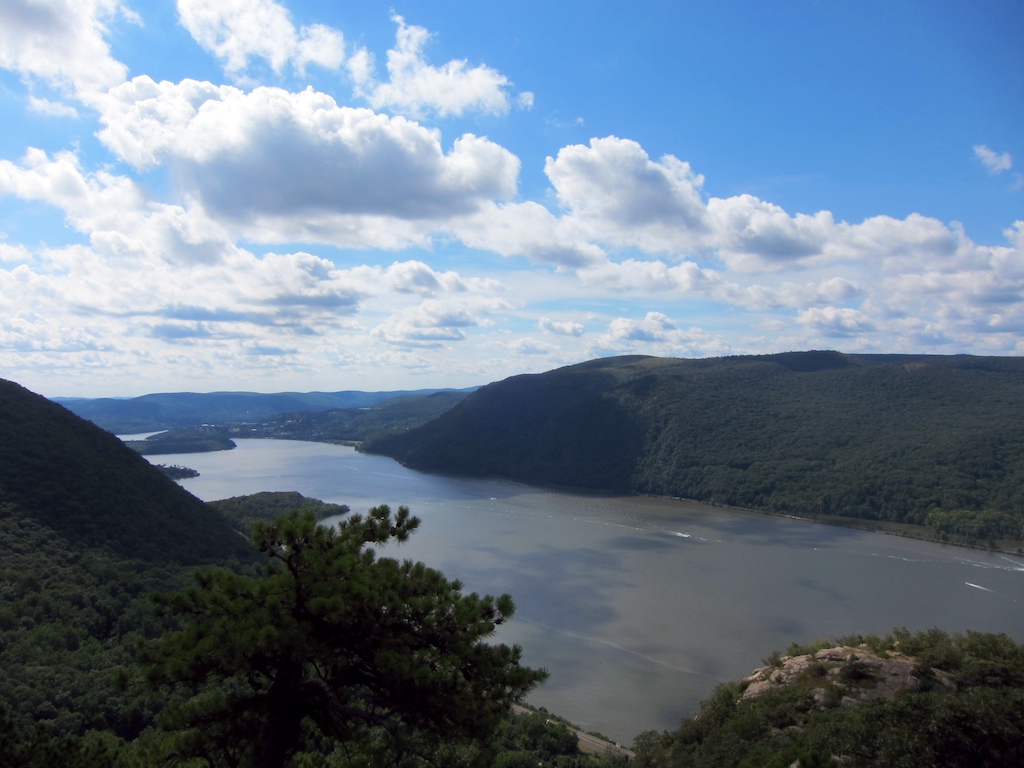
(640, 606)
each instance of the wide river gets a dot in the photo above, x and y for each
(639, 606)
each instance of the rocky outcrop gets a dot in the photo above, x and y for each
(845, 675)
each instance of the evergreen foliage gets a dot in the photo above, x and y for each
(333, 642)
(907, 440)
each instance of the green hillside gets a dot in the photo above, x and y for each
(89, 529)
(904, 440)
(907, 700)
(90, 668)
(86, 485)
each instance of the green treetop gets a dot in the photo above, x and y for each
(334, 651)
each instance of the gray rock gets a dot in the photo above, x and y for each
(859, 674)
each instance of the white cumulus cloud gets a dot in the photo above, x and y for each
(62, 43)
(560, 328)
(415, 87)
(435, 323)
(235, 31)
(656, 334)
(836, 322)
(622, 197)
(528, 229)
(284, 165)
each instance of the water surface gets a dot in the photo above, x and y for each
(640, 606)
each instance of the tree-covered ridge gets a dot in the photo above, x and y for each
(169, 410)
(344, 425)
(355, 424)
(931, 441)
(83, 483)
(964, 705)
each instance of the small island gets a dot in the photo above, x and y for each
(176, 471)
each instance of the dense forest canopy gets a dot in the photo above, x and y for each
(928, 441)
(332, 645)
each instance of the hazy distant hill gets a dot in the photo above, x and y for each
(188, 409)
(354, 424)
(929, 440)
(85, 484)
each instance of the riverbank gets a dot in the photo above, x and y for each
(904, 530)
(589, 743)
(1013, 547)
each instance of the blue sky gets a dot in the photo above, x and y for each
(257, 195)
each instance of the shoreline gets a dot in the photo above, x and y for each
(1015, 548)
(857, 524)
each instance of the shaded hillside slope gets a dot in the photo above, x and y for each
(927, 440)
(83, 483)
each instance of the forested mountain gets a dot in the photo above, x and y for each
(919, 440)
(149, 413)
(355, 424)
(338, 425)
(96, 673)
(92, 676)
(86, 485)
(88, 530)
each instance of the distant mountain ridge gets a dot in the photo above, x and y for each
(167, 410)
(934, 441)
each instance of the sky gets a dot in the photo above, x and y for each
(268, 196)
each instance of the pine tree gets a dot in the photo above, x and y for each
(334, 648)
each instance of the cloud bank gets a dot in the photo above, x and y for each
(269, 233)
